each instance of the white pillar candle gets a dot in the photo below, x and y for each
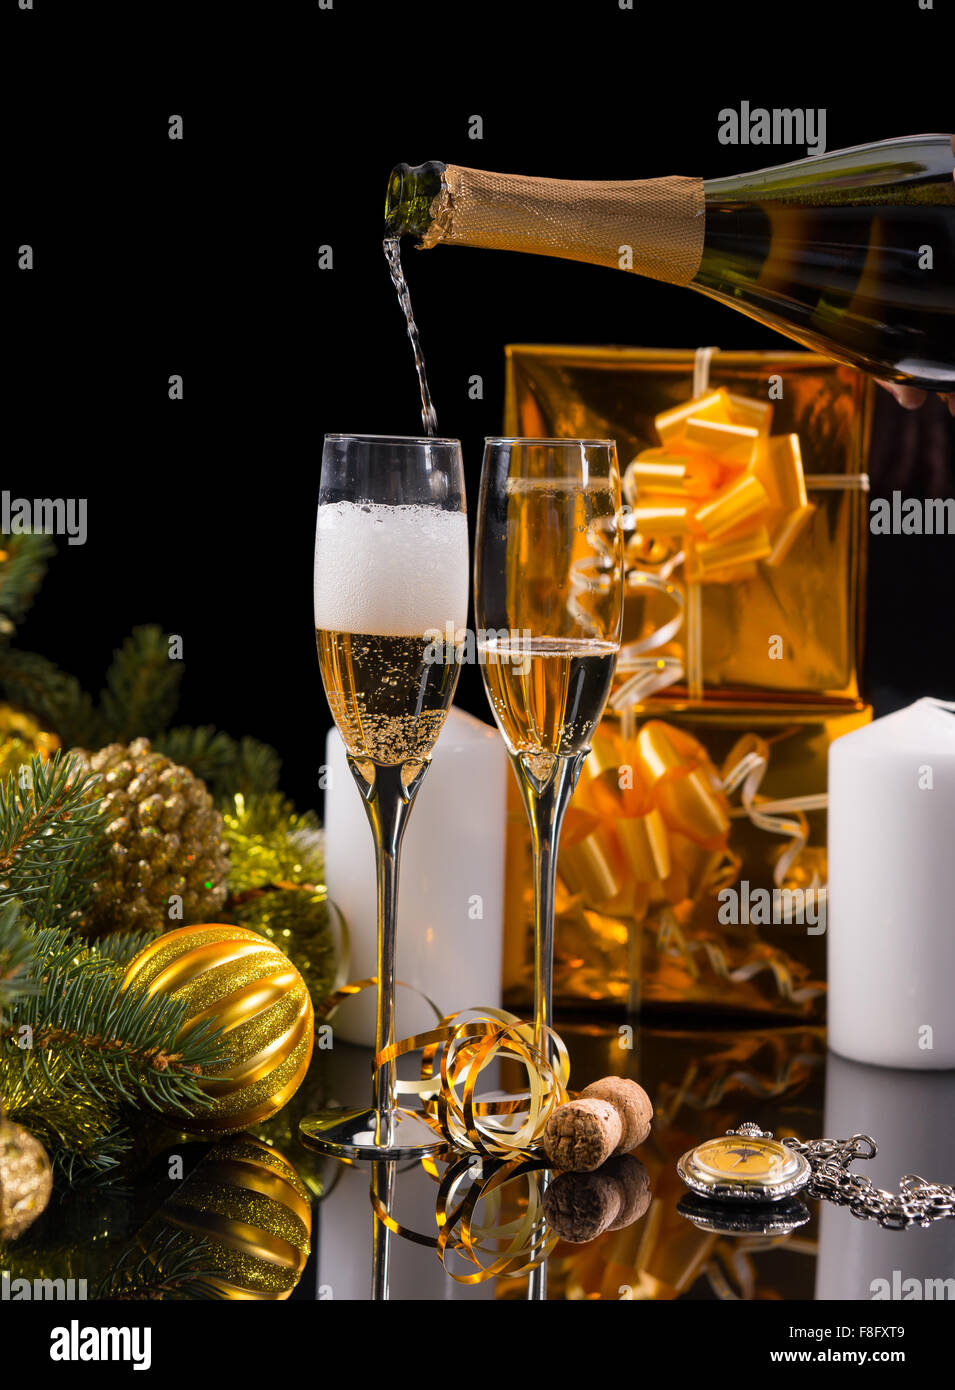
(891, 910)
(451, 884)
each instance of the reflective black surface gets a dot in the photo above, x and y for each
(701, 1082)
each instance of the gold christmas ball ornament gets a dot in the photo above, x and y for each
(248, 988)
(307, 926)
(248, 1202)
(26, 1180)
(21, 737)
(165, 841)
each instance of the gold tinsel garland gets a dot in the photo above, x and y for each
(277, 887)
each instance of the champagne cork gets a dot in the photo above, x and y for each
(610, 1116)
(632, 1104)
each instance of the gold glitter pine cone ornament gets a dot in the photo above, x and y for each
(248, 988)
(248, 1202)
(26, 1180)
(165, 841)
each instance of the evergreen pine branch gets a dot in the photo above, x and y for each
(50, 838)
(174, 1265)
(210, 755)
(225, 765)
(16, 956)
(122, 947)
(23, 560)
(257, 771)
(85, 1137)
(120, 1042)
(142, 687)
(76, 1051)
(55, 698)
(96, 1157)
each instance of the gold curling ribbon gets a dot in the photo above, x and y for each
(502, 1131)
(650, 822)
(454, 1054)
(528, 1239)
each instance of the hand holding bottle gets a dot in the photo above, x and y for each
(910, 397)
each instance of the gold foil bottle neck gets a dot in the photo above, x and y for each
(653, 227)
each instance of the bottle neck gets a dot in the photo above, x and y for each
(408, 201)
(653, 227)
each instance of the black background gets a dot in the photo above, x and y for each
(199, 257)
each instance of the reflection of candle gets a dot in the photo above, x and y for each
(451, 887)
(891, 911)
(912, 1119)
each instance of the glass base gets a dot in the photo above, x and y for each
(370, 1134)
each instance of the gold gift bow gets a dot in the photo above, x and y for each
(718, 496)
(660, 833)
(664, 837)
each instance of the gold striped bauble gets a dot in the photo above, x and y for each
(241, 983)
(249, 1203)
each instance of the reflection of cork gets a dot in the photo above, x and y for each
(580, 1206)
(610, 1116)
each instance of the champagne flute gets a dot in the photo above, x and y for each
(549, 609)
(391, 572)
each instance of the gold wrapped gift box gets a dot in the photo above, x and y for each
(743, 473)
(790, 620)
(692, 863)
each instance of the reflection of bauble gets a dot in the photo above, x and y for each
(25, 1179)
(247, 1202)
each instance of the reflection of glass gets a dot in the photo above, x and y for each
(548, 603)
(391, 567)
(383, 1189)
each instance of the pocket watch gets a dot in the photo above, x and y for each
(748, 1165)
(744, 1165)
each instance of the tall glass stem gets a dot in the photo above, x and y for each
(546, 801)
(387, 798)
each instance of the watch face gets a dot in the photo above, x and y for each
(737, 1158)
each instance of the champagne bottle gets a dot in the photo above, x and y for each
(850, 253)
